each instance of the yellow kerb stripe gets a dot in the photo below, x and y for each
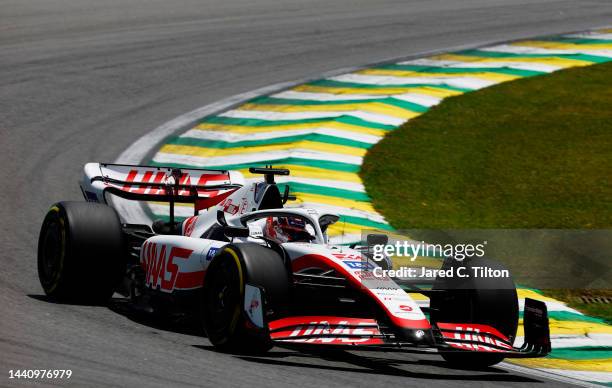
(334, 201)
(371, 107)
(340, 227)
(564, 46)
(390, 91)
(244, 129)
(312, 172)
(602, 365)
(308, 145)
(404, 73)
(552, 60)
(525, 293)
(572, 327)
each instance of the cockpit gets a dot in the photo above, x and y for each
(289, 225)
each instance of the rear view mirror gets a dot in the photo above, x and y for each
(233, 231)
(221, 218)
(377, 239)
(287, 197)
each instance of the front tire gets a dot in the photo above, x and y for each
(232, 268)
(80, 252)
(487, 301)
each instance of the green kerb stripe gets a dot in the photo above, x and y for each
(323, 164)
(383, 100)
(268, 123)
(166, 218)
(582, 353)
(364, 222)
(460, 70)
(189, 141)
(296, 187)
(339, 84)
(493, 54)
(570, 316)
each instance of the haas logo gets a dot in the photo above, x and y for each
(474, 334)
(344, 332)
(159, 266)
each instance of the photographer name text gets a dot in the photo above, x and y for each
(424, 272)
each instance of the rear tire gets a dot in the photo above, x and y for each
(80, 252)
(225, 321)
(487, 301)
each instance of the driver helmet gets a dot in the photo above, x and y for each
(284, 229)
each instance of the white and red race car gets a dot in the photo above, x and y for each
(258, 274)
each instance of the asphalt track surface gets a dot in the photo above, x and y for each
(81, 80)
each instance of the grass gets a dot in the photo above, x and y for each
(532, 153)
(574, 298)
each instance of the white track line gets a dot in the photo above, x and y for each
(547, 374)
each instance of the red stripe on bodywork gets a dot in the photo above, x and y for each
(130, 178)
(205, 178)
(326, 330)
(188, 225)
(185, 179)
(320, 261)
(145, 179)
(205, 203)
(307, 320)
(350, 341)
(471, 327)
(159, 177)
(188, 280)
(310, 261)
(487, 338)
(210, 178)
(475, 347)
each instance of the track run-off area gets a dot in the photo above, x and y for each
(82, 81)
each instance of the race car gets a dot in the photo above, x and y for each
(256, 273)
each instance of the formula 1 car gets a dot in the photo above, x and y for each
(259, 274)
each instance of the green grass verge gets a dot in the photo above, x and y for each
(532, 153)
(574, 300)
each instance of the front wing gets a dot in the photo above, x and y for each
(447, 337)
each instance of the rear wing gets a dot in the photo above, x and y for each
(204, 188)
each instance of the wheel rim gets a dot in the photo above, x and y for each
(223, 300)
(53, 250)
